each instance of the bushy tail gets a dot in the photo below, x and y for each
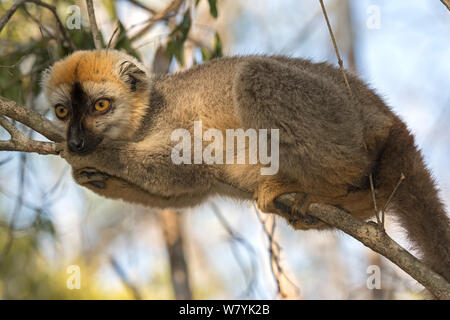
(416, 201)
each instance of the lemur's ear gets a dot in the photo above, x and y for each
(133, 75)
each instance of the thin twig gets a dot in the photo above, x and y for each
(140, 5)
(58, 21)
(274, 249)
(112, 37)
(374, 199)
(124, 278)
(400, 180)
(239, 239)
(93, 23)
(5, 18)
(341, 64)
(172, 7)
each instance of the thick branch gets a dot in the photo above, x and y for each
(174, 240)
(375, 238)
(20, 142)
(31, 119)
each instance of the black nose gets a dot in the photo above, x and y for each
(76, 144)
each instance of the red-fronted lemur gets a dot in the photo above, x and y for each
(119, 119)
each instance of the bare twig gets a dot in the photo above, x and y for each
(341, 64)
(373, 237)
(42, 28)
(239, 239)
(140, 5)
(5, 18)
(93, 23)
(124, 278)
(63, 30)
(400, 180)
(172, 7)
(110, 42)
(374, 199)
(286, 288)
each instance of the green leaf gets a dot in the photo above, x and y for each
(213, 8)
(175, 46)
(124, 42)
(208, 54)
(217, 46)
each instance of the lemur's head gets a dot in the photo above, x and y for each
(96, 95)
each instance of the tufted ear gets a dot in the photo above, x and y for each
(133, 75)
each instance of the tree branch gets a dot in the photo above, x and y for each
(236, 238)
(124, 278)
(93, 23)
(5, 18)
(174, 240)
(33, 120)
(172, 7)
(140, 5)
(58, 21)
(341, 64)
(286, 288)
(369, 234)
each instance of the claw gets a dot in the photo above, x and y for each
(98, 184)
(92, 177)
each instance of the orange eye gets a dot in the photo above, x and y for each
(102, 105)
(61, 111)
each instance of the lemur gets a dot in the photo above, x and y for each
(119, 118)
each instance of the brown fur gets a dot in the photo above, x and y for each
(329, 144)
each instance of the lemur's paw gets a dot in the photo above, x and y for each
(92, 177)
(299, 218)
(269, 190)
(264, 197)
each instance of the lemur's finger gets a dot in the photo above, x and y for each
(98, 184)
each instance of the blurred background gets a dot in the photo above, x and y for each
(59, 241)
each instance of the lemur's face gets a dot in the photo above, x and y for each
(97, 95)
